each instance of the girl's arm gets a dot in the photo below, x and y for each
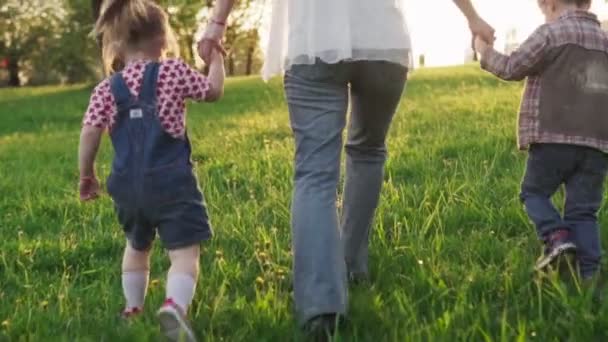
(216, 77)
(197, 86)
(90, 138)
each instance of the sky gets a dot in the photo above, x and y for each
(440, 32)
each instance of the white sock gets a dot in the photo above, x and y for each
(180, 288)
(135, 286)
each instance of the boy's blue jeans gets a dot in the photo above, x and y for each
(582, 171)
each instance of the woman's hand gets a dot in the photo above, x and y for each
(480, 28)
(215, 30)
(212, 41)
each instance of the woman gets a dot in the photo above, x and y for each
(333, 52)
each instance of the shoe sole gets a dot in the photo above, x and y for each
(555, 253)
(173, 326)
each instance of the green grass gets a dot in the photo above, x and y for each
(451, 253)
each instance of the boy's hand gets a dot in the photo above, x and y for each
(89, 188)
(481, 45)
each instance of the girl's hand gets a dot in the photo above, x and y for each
(89, 188)
(217, 55)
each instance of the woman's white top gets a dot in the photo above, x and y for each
(335, 30)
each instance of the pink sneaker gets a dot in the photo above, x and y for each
(173, 322)
(130, 313)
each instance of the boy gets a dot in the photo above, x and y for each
(564, 125)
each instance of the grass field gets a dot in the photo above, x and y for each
(451, 254)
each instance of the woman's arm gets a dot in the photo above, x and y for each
(215, 30)
(466, 7)
(477, 25)
(222, 9)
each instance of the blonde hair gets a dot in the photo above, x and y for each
(133, 25)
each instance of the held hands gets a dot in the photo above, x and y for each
(483, 34)
(89, 188)
(480, 28)
(212, 41)
(481, 45)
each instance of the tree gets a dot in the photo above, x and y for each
(27, 26)
(76, 44)
(241, 39)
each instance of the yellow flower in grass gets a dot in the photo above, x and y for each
(6, 323)
(263, 256)
(259, 281)
(221, 262)
(44, 304)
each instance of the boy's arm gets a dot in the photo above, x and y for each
(90, 138)
(527, 60)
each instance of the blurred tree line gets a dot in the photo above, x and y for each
(50, 41)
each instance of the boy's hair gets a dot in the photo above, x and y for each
(131, 24)
(579, 3)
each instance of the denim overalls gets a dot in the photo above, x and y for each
(152, 181)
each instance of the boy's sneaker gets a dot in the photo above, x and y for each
(129, 313)
(556, 245)
(173, 322)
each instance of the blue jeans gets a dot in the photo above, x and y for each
(582, 171)
(325, 247)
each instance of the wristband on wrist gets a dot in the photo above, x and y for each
(218, 22)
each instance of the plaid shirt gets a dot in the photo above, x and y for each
(574, 28)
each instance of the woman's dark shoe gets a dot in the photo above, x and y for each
(323, 327)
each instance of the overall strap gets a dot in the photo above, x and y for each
(120, 90)
(148, 87)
